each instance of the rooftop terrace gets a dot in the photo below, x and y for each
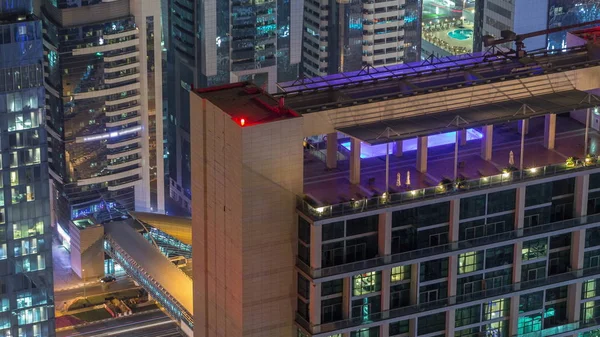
(432, 75)
(332, 194)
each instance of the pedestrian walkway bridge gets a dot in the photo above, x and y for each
(166, 283)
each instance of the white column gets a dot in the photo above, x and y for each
(577, 247)
(549, 131)
(463, 137)
(398, 149)
(422, 154)
(314, 304)
(354, 161)
(414, 297)
(316, 246)
(486, 142)
(347, 297)
(332, 148)
(524, 127)
(517, 259)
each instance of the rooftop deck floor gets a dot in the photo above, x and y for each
(328, 187)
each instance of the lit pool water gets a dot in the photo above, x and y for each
(461, 34)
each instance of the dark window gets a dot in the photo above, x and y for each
(557, 293)
(530, 302)
(468, 315)
(538, 194)
(362, 225)
(303, 230)
(472, 206)
(498, 278)
(592, 237)
(559, 262)
(469, 284)
(370, 332)
(332, 309)
(533, 271)
(434, 269)
(501, 201)
(563, 187)
(334, 230)
(397, 328)
(555, 314)
(303, 309)
(303, 287)
(496, 257)
(303, 253)
(558, 241)
(400, 295)
(332, 287)
(594, 181)
(431, 323)
(404, 240)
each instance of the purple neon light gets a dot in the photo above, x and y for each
(370, 151)
(393, 70)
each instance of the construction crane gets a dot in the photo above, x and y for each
(510, 36)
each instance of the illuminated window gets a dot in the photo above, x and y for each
(32, 315)
(400, 273)
(534, 249)
(469, 262)
(366, 283)
(496, 309)
(589, 289)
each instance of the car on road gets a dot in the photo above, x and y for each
(108, 279)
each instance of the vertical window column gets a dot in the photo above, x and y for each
(384, 233)
(453, 237)
(517, 259)
(314, 304)
(414, 296)
(580, 202)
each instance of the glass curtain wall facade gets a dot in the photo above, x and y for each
(217, 42)
(87, 145)
(498, 289)
(104, 91)
(26, 283)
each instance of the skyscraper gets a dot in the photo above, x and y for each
(26, 284)
(345, 35)
(215, 42)
(104, 90)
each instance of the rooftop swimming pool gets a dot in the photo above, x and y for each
(461, 34)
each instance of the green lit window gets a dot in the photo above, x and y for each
(530, 323)
(400, 273)
(534, 249)
(496, 309)
(589, 289)
(469, 262)
(366, 283)
(590, 310)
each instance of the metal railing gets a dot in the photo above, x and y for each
(449, 248)
(393, 199)
(448, 303)
(563, 328)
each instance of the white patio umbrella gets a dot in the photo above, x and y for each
(407, 178)
(398, 180)
(511, 159)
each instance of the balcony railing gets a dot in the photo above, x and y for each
(449, 248)
(393, 199)
(563, 328)
(448, 303)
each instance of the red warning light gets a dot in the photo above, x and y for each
(242, 122)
